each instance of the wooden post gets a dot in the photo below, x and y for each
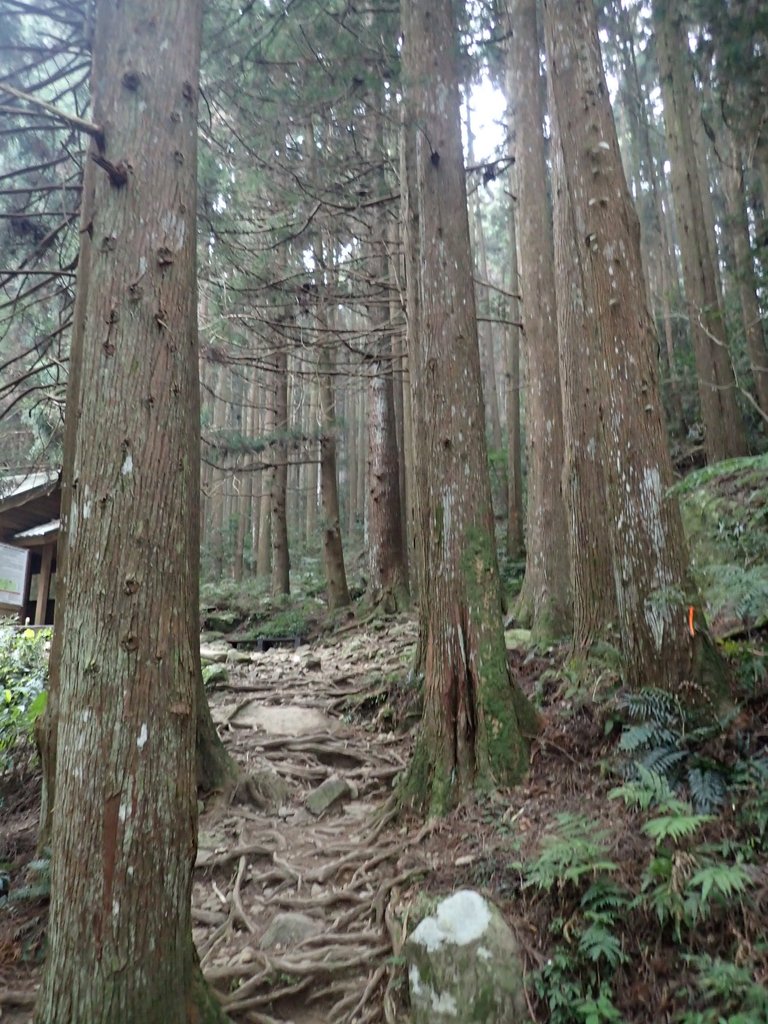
(44, 584)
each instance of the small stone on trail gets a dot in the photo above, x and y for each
(327, 794)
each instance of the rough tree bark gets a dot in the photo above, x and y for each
(544, 600)
(471, 733)
(612, 330)
(119, 941)
(515, 538)
(387, 567)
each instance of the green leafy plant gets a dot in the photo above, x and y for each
(667, 737)
(573, 867)
(572, 851)
(729, 992)
(23, 674)
(683, 883)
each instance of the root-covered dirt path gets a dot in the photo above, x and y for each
(293, 904)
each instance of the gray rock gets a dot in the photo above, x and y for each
(235, 657)
(464, 965)
(327, 794)
(288, 929)
(214, 674)
(210, 653)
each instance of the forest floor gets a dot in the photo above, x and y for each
(299, 914)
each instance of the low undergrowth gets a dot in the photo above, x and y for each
(648, 895)
(23, 674)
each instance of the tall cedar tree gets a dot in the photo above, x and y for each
(544, 601)
(120, 943)
(610, 326)
(471, 735)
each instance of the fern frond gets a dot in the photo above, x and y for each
(707, 788)
(599, 943)
(726, 879)
(663, 760)
(674, 826)
(639, 737)
(650, 705)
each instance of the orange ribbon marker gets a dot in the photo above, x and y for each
(691, 628)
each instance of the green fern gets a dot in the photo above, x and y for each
(707, 788)
(598, 943)
(648, 789)
(725, 880)
(666, 738)
(571, 852)
(729, 989)
(674, 826)
(640, 737)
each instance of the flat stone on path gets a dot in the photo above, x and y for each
(327, 794)
(289, 929)
(285, 720)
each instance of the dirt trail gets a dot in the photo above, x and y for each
(308, 715)
(293, 719)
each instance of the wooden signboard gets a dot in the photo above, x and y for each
(13, 575)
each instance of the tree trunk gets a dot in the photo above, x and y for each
(388, 580)
(46, 730)
(352, 403)
(470, 735)
(310, 522)
(281, 564)
(266, 479)
(409, 227)
(218, 476)
(515, 540)
(544, 600)
(616, 343)
(119, 939)
(333, 551)
(660, 264)
(724, 429)
(745, 276)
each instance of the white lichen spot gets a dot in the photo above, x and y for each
(460, 919)
(115, 908)
(123, 812)
(129, 871)
(175, 229)
(142, 739)
(87, 506)
(127, 466)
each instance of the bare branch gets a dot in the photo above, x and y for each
(74, 122)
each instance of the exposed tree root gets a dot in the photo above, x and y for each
(345, 869)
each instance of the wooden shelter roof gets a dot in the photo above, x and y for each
(27, 501)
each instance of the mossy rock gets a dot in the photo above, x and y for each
(725, 515)
(213, 674)
(222, 620)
